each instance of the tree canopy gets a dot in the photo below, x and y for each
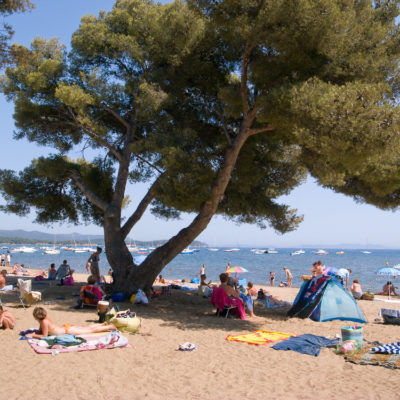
(219, 106)
(8, 7)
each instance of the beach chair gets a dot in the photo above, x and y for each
(26, 296)
(225, 304)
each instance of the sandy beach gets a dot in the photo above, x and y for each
(153, 368)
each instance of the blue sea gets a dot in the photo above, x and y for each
(187, 266)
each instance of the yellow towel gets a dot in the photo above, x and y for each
(260, 337)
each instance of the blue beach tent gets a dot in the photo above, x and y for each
(323, 298)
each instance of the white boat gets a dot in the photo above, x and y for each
(321, 252)
(213, 249)
(51, 251)
(271, 251)
(366, 252)
(187, 251)
(297, 252)
(340, 253)
(23, 249)
(235, 249)
(228, 251)
(259, 251)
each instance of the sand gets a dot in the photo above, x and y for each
(153, 368)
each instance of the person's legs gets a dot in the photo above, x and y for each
(94, 328)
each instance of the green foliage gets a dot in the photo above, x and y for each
(167, 85)
(8, 7)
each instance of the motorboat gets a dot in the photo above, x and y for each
(271, 251)
(297, 252)
(259, 251)
(187, 251)
(366, 252)
(340, 253)
(235, 249)
(321, 252)
(51, 251)
(23, 249)
(213, 249)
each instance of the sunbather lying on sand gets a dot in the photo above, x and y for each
(49, 328)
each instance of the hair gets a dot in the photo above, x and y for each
(99, 249)
(4, 272)
(223, 277)
(348, 269)
(356, 281)
(52, 265)
(160, 276)
(65, 261)
(250, 284)
(203, 276)
(284, 267)
(39, 313)
(22, 265)
(91, 280)
(319, 262)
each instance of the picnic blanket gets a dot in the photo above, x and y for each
(365, 357)
(110, 340)
(260, 337)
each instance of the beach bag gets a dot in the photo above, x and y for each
(126, 321)
(368, 296)
(68, 281)
(141, 297)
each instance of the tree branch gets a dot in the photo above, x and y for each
(92, 197)
(115, 115)
(260, 130)
(141, 208)
(243, 84)
(148, 163)
(95, 137)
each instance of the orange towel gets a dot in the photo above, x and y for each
(260, 337)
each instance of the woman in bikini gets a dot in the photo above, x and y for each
(93, 262)
(49, 328)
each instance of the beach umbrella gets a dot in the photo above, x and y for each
(139, 259)
(236, 270)
(389, 272)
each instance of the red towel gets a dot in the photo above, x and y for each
(220, 299)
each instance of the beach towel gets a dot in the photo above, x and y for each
(365, 357)
(391, 348)
(260, 337)
(110, 340)
(306, 344)
(220, 299)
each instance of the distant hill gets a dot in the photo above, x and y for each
(19, 236)
(48, 237)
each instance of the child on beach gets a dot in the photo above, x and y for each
(271, 278)
(49, 328)
(7, 320)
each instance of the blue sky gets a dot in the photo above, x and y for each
(329, 218)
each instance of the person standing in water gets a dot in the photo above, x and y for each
(202, 270)
(93, 265)
(288, 275)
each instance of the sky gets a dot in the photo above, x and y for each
(329, 219)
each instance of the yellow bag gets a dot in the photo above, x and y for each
(124, 324)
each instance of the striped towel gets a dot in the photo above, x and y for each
(392, 348)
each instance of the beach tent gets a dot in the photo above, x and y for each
(323, 298)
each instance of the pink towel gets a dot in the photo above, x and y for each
(220, 299)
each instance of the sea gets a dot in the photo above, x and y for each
(187, 266)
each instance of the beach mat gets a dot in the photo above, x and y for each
(364, 357)
(109, 340)
(259, 337)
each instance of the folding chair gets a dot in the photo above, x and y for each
(26, 294)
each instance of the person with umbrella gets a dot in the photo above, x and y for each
(388, 289)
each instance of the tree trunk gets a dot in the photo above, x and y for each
(118, 255)
(143, 276)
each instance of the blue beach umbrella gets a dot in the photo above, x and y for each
(390, 272)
